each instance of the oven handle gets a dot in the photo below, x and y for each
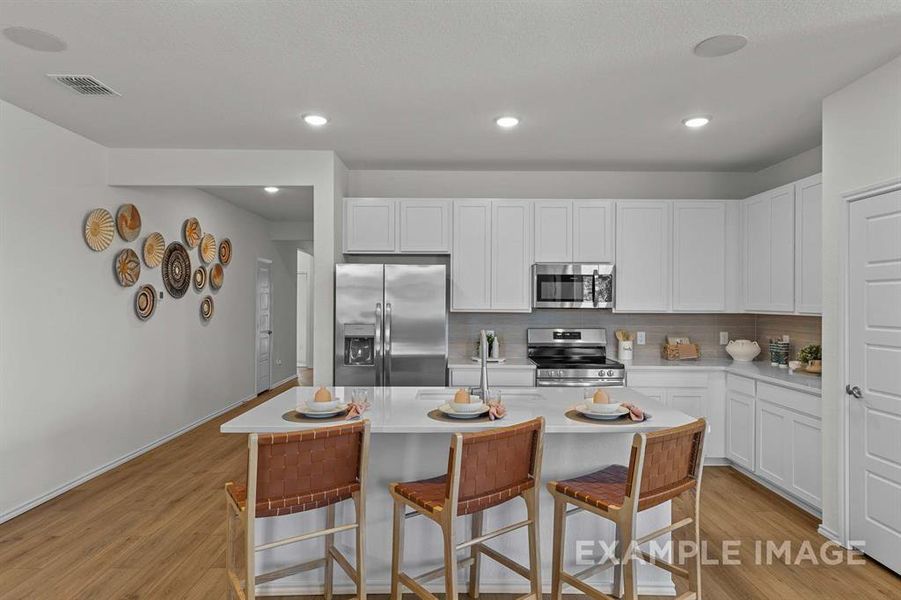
(579, 383)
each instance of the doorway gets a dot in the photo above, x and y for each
(304, 318)
(263, 324)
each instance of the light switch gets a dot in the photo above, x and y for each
(724, 338)
(639, 338)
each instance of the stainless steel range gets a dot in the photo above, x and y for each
(574, 358)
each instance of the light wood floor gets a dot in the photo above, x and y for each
(155, 528)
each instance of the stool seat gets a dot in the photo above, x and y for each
(274, 507)
(604, 489)
(430, 494)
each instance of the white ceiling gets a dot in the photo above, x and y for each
(289, 204)
(598, 85)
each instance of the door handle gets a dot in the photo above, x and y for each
(378, 344)
(269, 331)
(387, 344)
(853, 390)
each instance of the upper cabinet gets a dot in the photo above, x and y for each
(768, 250)
(809, 245)
(699, 256)
(643, 241)
(470, 256)
(573, 231)
(397, 226)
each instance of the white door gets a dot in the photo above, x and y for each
(264, 326)
(553, 231)
(471, 257)
(874, 355)
(699, 256)
(369, 225)
(593, 231)
(303, 313)
(809, 245)
(756, 252)
(511, 255)
(782, 257)
(643, 234)
(425, 226)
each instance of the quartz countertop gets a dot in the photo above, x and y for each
(466, 362)
(405, 410)
(759, 370)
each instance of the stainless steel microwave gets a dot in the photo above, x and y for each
(578, 285)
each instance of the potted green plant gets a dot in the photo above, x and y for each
(812, 355)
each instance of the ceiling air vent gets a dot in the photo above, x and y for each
(85, 85)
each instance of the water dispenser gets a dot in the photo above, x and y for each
(359, 344)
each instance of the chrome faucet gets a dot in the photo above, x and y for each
(482, 390)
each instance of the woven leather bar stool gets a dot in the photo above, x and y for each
(663, 465)
(485, 469)
(295, 472)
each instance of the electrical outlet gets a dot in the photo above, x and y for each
(639, 338)
(278, 361)
(724, 338)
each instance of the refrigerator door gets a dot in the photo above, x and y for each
(415, 325)
(359, 309)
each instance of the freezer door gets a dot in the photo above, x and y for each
(415, 325)
(359, 307)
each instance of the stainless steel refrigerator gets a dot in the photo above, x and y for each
(390, 325)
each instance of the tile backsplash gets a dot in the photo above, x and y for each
(463, 329)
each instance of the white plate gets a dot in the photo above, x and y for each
(446, 409)
(322, 414)
(603, 417)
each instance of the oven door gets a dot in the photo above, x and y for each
(572, 285)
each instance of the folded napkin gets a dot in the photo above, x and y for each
(355, 409)
(635, 413)
(496, 410)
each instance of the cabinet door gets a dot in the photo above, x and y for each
(782, 257)
(425, 226)
(643, 260)
(689, 401)
(756, 252)
(593, 231)
(511, 256)
(369, 225)
(471, 255)
(658, 394)
(808, 245)
(740, 429)
(773, 443)
(806, 476)
(699, 256)
(553, 230)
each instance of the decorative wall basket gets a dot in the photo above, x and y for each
(128, 222)
(206, 308)
(192, 232)
(128, 267)
(217, 274)
(145, 302)
(200, 278)
(154, 247)
(176, 268)
(225, 251)
(207, 248)
(98, 229)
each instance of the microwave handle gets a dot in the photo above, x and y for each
(596, 286)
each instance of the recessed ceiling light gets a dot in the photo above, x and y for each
(315, 120)
(695, 122)
(271, 189)
(34, 39)
(720, 45)
(507, 122)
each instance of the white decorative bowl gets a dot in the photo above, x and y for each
(743, 350)
(466, 407)
(313, 406)
(603, 409)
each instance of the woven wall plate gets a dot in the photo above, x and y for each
(128, 267)
(192, 232)
(128, 222)
(225, 251)
(206, 308)
(145, 301)
(217, 274)
(199, 278)
(207, 248)
(99, 229)
(176, 268)
(154, 247)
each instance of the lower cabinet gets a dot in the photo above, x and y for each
(740, 429)
(503, 377)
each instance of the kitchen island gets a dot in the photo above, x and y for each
(407, 444)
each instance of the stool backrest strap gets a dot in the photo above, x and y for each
(671, 465)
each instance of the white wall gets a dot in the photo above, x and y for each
(791, 169)
(304, 307)
(861, 146)
(83, 382)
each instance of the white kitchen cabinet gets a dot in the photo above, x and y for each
(553, 230)
(643, 245)
(593, 231)
(471, 256)
(511, 255)
(808, 245)
(369, 225)
(740, 419)
(772, 444)
(768, 251)
(699, 256)
(424, 226)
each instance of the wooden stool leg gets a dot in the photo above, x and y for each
(559, 540)
(531, 498)
(360, 506)
(625, 536)
(618, 569)
(329, 543)
(229, 546)
(694, 566)
(475, 555)
(250, 585)
(397, 550)
(450, 558)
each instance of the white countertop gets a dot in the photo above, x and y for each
(759, 370)
(464, 362)
(405, 410)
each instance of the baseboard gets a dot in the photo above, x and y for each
(831, 536)
(282, 382)
(22, 508)
(717, 462)
(379, 587)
